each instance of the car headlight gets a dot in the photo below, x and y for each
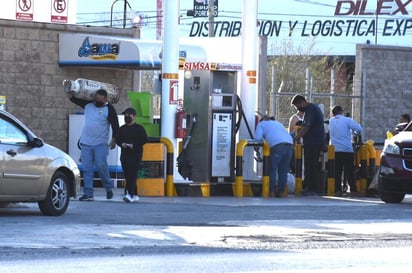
(391, 148)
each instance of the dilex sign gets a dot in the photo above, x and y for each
(384, 7)
(359, 18)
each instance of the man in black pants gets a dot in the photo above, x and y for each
(313, 134)
(131, 138)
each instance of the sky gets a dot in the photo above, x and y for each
(331, 27)
(320, 26)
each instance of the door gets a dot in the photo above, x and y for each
(22, 167)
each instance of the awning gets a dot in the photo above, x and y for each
(105, 51)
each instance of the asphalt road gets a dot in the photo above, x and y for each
(206, 227)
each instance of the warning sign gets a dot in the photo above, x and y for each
(201, 8)
(173, 92)
(59, 11)
(24, 10)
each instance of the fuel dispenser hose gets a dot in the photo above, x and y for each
(184, 167)
(258, 156)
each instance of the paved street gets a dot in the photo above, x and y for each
(189, 225)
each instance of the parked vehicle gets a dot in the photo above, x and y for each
(33, 171)
(395, 172)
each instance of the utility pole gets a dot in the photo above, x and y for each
(211, 12)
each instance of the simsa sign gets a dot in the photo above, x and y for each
(342, 18)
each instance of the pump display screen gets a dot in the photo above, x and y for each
(227, 101)
(222, 101)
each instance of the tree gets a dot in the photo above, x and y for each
(301, 70)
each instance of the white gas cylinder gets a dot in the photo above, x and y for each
(86, 89)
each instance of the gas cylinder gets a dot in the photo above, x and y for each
(86, 89)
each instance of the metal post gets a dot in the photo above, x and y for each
(308, 85)
(211, 5)
(274, 97)
(332, 86)
(126, 4)
(124, 13)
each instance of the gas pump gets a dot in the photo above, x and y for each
(210, 96)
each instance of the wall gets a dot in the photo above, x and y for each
(31, 78)
(383, 78)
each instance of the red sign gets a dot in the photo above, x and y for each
(173, 92)
(24, 10)
(59, 11)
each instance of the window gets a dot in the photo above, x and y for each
(10, 134)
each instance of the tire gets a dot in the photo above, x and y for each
(58, 196)
(389, 197)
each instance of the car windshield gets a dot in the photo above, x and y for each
(408, 127)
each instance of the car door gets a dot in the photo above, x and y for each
(22, 166)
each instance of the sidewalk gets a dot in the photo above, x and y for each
(291, 200)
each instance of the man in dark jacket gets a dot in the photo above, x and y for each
(313, 135)
(131, 138)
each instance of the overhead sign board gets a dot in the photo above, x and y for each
(330, 26)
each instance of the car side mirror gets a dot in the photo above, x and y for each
(36, 142)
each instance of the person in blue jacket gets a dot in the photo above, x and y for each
(281, 148)
(341, 129)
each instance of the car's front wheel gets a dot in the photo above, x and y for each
(388, 197)
(391, 197)
(58, 196)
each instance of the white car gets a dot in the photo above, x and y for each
(33, 171)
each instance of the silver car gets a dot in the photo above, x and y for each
(33, 171)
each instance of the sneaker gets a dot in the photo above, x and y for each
(85, 197)
(127, 198)
(135, 198)
(109, 195)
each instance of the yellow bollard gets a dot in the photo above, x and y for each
(170, 188)
(298, 167)
(331, 170)
(364, 168)
(239, 168)
(265, 178)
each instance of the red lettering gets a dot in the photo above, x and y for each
(196, 66)
(401, 7)
(360, 7)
